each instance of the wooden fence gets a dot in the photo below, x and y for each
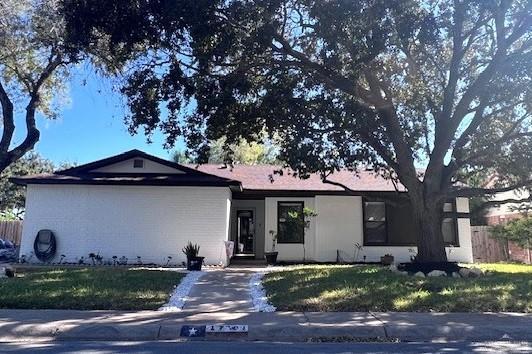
(11, 230)
(486, 248)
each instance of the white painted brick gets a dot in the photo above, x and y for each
(147, 221)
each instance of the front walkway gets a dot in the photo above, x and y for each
(224, 290)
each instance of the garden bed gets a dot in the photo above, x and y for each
(95, 288)
(427, 267)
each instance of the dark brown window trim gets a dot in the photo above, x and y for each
(278, 217)
(366, 243)
(454, 215)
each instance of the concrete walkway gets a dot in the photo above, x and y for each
(273, 326)
(221, 291)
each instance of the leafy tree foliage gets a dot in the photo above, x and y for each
(388, 84)
(12, 196)
(517, 230)
(33, 69)
(243, 152)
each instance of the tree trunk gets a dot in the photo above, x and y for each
(428, 216)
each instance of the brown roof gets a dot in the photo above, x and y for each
(247, 177)
(84, 174)
(262, 177)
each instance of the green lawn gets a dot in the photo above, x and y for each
(508, 287)
(88, 289)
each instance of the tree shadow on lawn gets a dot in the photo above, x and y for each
(88, 289)
(375, 288)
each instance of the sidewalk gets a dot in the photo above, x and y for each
(277, 326)
(221, 291)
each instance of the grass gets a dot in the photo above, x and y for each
(507, 287)
(88, 289)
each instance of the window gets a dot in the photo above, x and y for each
(449, 226)
(138, 163)
(290, 222)
(391, 224)
(375, 231)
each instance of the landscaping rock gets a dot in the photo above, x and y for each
(456, 275)
(475, 272)
(402, 272)
(9, 272)
(419, 275)
(437, 273)
(464, 272)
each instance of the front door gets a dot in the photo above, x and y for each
(245, 231)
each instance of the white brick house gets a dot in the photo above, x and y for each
(135, 204)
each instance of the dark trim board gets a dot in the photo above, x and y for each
(145, 182)
(272, 193)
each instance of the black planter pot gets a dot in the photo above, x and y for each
(271, 257)
(195, 263)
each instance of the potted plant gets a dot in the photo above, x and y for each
(194, 262)
(271, 257)
(387, 259)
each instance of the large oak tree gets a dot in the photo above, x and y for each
(394, 85)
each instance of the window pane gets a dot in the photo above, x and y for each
(375, 211)
(448, 229)
(448, 207)
(375, 232)
(375, 223)
(290, 225)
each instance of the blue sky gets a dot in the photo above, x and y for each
(91, 126)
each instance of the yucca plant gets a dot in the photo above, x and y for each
(191, 250)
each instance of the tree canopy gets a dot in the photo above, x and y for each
(33, 71)
(243, 152)
(389, 84)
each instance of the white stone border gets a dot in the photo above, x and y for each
(258, 294)
(179, 295)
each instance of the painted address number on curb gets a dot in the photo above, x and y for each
(226, 328)
(193, 331)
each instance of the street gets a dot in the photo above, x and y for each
(261, 347)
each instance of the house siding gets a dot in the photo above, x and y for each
(127, 167)
(289, 251)
(339, 226)
(151, 222)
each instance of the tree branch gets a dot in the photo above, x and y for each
(33, 133)
(478, 192)
(506, 201)
(8, 120)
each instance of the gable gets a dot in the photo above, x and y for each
(138, 165)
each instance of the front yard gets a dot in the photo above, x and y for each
(88, 289)
(508, 287)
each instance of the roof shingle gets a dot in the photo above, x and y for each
(262, 177)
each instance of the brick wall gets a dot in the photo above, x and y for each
(147, 221)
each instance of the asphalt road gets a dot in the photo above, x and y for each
(261, 347)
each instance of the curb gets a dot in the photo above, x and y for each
(292, 333)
